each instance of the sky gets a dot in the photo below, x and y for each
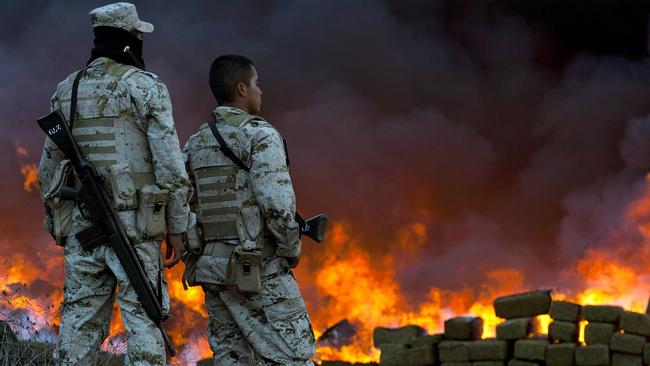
(455, 136)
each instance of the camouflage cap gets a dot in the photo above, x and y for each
(119, 15)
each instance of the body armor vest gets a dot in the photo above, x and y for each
(108, 131)
(227, 209)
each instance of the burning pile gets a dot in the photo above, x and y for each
(612, 336)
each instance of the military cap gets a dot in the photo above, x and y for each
(119, 15)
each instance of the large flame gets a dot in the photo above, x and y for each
(347, 281)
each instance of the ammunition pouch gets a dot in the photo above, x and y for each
(248, 272)
(150, 215)
(122, 187)
(245, 267)
(58, 221)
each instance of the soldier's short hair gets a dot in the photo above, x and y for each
(226, 71)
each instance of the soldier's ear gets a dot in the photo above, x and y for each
(241, 89)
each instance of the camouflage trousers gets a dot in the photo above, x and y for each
(271, 328)
(90, 281)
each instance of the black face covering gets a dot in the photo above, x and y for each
(110, 42)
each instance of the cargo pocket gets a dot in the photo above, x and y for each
(150, 218)
(291, 323)
(62, 220)
(59, 223)
(122, 187)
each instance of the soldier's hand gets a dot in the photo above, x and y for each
(175, 247)
(293, 261)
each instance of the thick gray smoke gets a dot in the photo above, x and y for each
(464, 116)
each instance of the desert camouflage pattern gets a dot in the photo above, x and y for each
(119, 15)
(271, 327)
(224, 192)
(90, 282)
(124, 117)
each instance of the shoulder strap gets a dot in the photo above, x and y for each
(73, 99)
(286, 152)
(225, 149)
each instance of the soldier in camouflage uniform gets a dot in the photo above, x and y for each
(246, 209)
(124, 126)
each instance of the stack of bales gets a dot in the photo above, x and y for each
(520, 329)
(629, 345)
(459, 334)
(602, 324)
(488, 352)
(407, 345)
(613, 336)
(563, 331)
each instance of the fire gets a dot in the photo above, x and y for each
(365, 291)
(192, 297)
(346, 280)
(30, 172)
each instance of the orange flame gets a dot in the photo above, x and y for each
(30, 172)
(350, 281)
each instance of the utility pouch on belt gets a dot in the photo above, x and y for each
(248, 273)
(248, 263)
(192, 236)
(150, 217)
(123, 187)
(60, 222)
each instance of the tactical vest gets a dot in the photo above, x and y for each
(227, 209)
(108, 131)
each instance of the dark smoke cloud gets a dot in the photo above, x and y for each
(495, 127)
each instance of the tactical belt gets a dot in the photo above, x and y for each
(225, 250)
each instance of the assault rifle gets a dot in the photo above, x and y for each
(107, 227)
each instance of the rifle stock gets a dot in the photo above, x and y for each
(97, 204)
(313, 228)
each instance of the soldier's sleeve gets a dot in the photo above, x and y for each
(152, 100)
(50, 157)
(186, 158)
(273, 190)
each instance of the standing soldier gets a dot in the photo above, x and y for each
(245, 208)
(123, 124)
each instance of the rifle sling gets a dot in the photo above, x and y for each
(225, 149)
(73, 98)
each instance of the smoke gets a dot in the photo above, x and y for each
(456, 136)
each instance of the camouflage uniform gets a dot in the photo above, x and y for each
(270, 327)
(124, 126)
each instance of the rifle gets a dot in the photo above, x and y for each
(313, 228)
(107, 227)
